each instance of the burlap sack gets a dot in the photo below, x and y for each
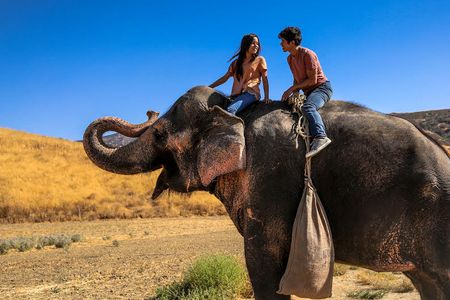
(309, 272)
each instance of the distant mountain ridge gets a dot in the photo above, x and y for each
(435, 122)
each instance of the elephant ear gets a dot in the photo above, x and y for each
(222, 149)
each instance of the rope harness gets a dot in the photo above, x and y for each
(296, 100)
(309, 272)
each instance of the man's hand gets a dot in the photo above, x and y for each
(267, 100)
(286, 94)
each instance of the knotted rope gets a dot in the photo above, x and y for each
(296, 100)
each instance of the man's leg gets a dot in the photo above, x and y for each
(241, 102)
(313, 103)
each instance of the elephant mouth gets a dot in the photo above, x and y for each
(170, 170)
(161, 185)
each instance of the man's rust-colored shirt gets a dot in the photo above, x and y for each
(305, 60)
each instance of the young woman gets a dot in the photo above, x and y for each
(247, 71)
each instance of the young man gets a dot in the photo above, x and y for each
(309, 77)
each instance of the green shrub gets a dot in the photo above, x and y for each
(216, 271)
(5, 245)
(209, 277)
(115, 243)
(367, 294)
(63, 241)
(24, 244)
(76, 238)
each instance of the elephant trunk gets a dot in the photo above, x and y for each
(133, 158)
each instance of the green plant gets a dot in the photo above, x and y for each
(367, 294)
(24, 244)
(209, 277)
(76, 238)
(5, 245)
(216, 271)
(115, 243)
(63, 241)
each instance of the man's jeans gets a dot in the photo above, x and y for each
(314, 101)
(241, 102)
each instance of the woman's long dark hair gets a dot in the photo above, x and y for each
(246, 42)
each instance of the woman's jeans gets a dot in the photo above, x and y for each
(241, 102)
(314, 101)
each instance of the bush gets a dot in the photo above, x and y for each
(217, 271)
(210, 277)
(63, 241)
(5, 245)
(368, 294)
(26, 243)
(76, 238)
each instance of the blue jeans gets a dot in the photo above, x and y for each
(241, 102)
(314, 101)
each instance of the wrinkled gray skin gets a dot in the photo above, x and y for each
(385, 186)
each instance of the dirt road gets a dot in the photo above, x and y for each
(149, 253)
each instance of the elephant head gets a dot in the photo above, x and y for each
(194, 142)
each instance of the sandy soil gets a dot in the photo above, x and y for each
(150, 254)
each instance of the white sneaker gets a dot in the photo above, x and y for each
(317, 145)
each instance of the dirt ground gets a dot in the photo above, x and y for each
(150, 253)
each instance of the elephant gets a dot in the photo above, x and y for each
(384, 184)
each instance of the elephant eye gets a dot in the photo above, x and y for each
(159, 137)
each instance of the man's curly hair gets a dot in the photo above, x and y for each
(291, 34)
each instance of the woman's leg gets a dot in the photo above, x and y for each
(241, 102)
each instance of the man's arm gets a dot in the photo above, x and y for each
(310, 81)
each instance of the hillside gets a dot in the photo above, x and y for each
(436, 122)
(49, 179)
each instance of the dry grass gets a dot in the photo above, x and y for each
(391, 282)
(340, 269)
(50, 179)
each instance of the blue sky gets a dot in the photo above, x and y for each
(65, 63)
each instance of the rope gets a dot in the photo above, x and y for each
(301, 129)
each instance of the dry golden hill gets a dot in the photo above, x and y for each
(435, 122)
(50, 179)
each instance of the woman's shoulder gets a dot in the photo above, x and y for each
(260, 58)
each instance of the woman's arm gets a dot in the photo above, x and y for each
(265, 81)
(220, 81)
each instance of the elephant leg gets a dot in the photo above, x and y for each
(430, 286)
(265, 269)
